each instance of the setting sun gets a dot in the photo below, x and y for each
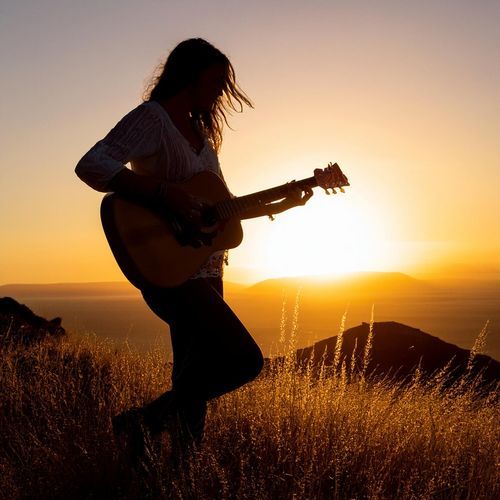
(331, 235)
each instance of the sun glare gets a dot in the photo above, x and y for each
(328, 237)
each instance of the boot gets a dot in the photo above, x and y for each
(134, 437)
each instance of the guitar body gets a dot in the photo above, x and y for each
(145, 244)
(154, 247)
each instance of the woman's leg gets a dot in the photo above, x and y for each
(213, 351)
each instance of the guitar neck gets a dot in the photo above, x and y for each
(237, 206)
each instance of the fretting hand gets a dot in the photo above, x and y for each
(297, 197)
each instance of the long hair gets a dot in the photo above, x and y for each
(183, 68)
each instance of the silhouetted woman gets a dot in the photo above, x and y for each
(175, 133)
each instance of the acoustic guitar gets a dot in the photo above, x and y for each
(154, 247)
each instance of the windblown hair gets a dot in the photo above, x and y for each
(183, 68)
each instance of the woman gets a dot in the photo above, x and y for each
(175, 133)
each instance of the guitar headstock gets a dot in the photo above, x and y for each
(331, 177)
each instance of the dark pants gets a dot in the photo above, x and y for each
(213, 351)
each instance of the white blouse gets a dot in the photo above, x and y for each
(148, 139)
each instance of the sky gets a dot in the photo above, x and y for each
(405, 96)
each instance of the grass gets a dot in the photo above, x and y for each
(289, 434)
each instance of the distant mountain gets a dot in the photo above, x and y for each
(398, 350)
(358, 283)
(75, 290)
(51, 290)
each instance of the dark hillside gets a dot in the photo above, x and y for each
(399, 349)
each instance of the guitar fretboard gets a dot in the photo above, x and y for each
(238, 205)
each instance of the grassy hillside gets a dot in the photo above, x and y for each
(286, 435)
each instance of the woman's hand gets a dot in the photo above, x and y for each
(190, 209)
(164, 194)
(296, 197)
(185, 205)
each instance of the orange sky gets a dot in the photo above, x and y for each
(405, 97)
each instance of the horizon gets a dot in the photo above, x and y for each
(433, 275)
(452, 310)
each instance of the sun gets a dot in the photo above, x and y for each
(330, 235)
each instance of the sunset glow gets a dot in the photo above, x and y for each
(411, 118)
(329, 237)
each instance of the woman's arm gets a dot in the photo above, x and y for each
(148, 188)
(129, 183)
(136, 135)
(294, 199)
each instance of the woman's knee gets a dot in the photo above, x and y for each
(243, 367)
(255, 363)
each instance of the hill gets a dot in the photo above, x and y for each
(291, 435)
(355, 283)
(398, 350)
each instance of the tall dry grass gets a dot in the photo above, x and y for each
(289, 434)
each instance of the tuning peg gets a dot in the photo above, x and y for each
(326, 191)
(341, 189)
(333, 191)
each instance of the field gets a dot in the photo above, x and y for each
(288, 434)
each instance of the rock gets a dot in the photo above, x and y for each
(20, 325)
